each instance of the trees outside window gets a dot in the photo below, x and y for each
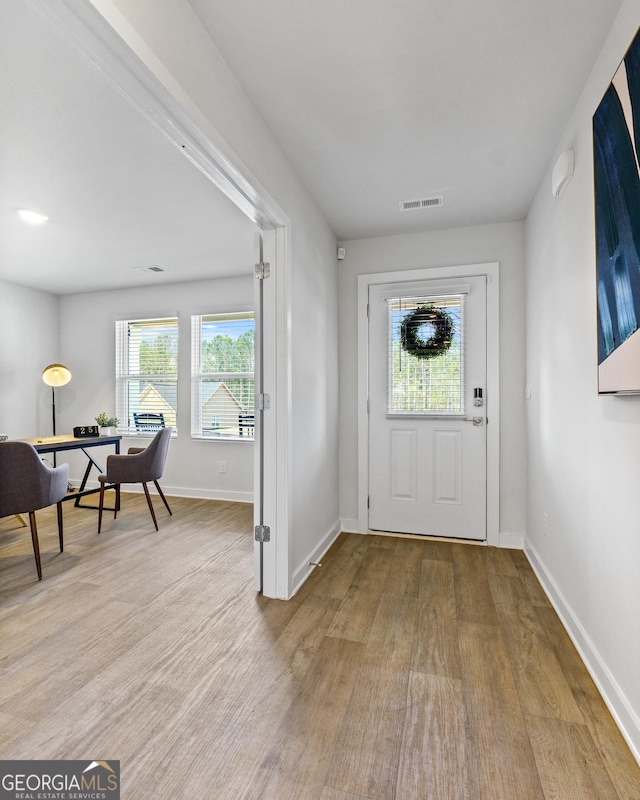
(146, 372)
(222, 373)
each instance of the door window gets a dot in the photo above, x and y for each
(425, 355)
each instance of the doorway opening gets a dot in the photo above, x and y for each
(88, 32)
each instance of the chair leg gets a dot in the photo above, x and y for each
(36, 546)
(60, 534)
(100, 507)
(164, 499)
(148, 496)
(116, 506)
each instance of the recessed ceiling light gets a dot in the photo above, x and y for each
(32, 217)
(151, 268)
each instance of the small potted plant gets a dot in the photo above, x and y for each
(106, 424)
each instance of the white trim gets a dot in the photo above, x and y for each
(99, 30)
(349, 525)
(179, 491)
(621, 709)
(278, 553)
(314, 558)
(492, 271)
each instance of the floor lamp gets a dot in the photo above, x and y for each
(55, 375)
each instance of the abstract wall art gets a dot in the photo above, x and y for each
(616, 157)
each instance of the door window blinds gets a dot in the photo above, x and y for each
(426, 386)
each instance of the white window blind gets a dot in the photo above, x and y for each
(222, 374)
(146, 375)
(426, 385)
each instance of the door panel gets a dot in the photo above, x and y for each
(447, 466)
(402, 463)
(427, 422)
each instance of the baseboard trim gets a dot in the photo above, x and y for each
(181, 491)
(349, 525)
(623, 713)
(301, 574)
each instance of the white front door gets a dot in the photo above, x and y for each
(427, 408)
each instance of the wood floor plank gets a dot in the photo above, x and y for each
(297, 759)
(513, 603)
(334, 794)
(73, 654)
(433, 762)
(499, 561)
(569, 764)
(366, 752)
(336, 574)
(500, 758)
(12, 727)
(405, 574)
(616, 756)
(357, 611)
(541, 685)
(473, 596)
(531, 582)
(435, 645)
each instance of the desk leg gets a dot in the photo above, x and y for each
(84, 480)
(92, 463)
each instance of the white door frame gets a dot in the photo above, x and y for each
(492, 272)
(101, 33)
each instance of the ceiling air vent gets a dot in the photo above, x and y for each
(424, 202)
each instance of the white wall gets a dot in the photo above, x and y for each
(501, 243)
(584, 467)
(87, 347)
(28, 343)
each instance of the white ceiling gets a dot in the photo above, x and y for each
(117, 193)
(377, 101)
(374, 101)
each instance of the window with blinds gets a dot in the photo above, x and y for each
(222, 374)
(429, 383)
(146, 375)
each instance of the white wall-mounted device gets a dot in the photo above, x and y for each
(562, 171)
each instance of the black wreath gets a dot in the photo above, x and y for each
(439, 341)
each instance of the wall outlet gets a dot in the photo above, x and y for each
(222, 466)
(545, 524)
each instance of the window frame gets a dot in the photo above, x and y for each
(454, 300)
(198, 376)
(124, 377)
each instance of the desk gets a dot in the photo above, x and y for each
(56, 444)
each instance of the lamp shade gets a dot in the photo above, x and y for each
(56, 375)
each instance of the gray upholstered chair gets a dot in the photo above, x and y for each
(139, 465)
(27, 484)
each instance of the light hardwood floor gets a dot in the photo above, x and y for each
(403, 669)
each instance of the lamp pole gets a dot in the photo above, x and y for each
(53, 407)
(55, 375)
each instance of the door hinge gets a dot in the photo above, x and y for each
(368, 502)
(368, 310)
(263, 402)
(263, 533)
(262, 270)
